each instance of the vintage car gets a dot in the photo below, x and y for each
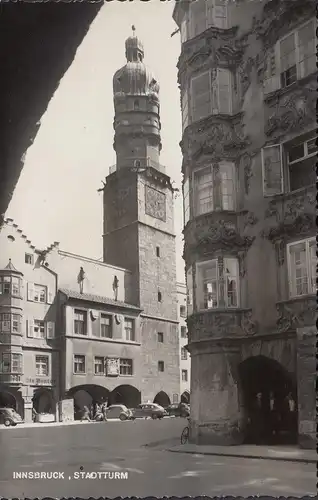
(119, 411)
(150, 410)
(8, 417)
(178, 410)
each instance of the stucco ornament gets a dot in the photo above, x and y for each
(222, 234)
(115, 287)
(279, 16)
(292, 112)
(302, 225)
(80, 279)
(296, 313)
(248, 325)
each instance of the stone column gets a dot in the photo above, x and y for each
(306, 378)
(215, 411)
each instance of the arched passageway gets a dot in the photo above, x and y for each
(43, 401)
(162, 399)
(8, 400)
(126, 395)
(86, 395)
(185, 397)
(269, 398)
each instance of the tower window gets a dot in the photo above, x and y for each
(160, 337)
(136, 104)
(159, 296)
(161, 366)
(158, 251)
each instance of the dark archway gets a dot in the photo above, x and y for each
(185, 397)
(126, 395)
(85, 395)
(43, 401)
(162, 399)
(8, 400)
(269, 398)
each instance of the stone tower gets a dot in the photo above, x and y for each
(139, 219)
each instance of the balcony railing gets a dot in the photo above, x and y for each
(138, 163)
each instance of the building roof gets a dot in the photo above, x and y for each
(71, 294)
(10, 267)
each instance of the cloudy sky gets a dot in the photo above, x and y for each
(56, 198)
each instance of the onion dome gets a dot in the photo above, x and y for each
(135, 78)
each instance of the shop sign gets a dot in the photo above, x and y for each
(40, 381)
(112, 367)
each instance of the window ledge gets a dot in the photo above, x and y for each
(277, 94)
(101, 339)
(298, 298)
(286, 195)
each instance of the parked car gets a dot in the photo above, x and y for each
(119, 411)
(151, 410)
(8, 416)
(178, 410)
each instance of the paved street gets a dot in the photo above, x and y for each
(152, 470)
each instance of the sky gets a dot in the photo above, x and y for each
(56, 197)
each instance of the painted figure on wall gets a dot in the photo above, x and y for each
(115, 287)
(80, 279)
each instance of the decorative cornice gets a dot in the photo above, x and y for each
(279, 17)
(218, 137)
(292, 112)
(294, 215)
(221, 235)
(296, 313)
(221, 323)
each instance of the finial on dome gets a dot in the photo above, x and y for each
(133, 29)
(134, 47)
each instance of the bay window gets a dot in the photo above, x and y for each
(10, 323)
(292, 58)
(185, 108)
(211, 93)
(204, 14)
(189, 283)
(10, 285)
(214, 188)
(294, 160)
(302, 262)
(11, 363)
(217, 283)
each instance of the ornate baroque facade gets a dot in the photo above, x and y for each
(247, 76)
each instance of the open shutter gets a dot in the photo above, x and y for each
(95, 323)
(30, 328)
(272, 73)
(272, 170)
(50, 330)
(209, 13)
(50, 296)
(201, 95)
(224, 97)
(306, 49)
(186, 201)
(220, 14)
(30, 291)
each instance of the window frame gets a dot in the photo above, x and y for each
(42, 329)
(26, 255)
(13, 285)
(218, 195)
(76, 321)
(109, 317)
(222, 302)
(37, 291)
(184, 372)
(184, 354)
(182, 330)
(131, 329)
(83, 356)
(10, 318)
(39, 363)
(311, 280)
(126, 363)
(162, 365)
(275, 53)
(160, 337)
(210, 17)
(102, 364)
(11, 356)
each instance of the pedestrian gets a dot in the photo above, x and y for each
(85, 415)
(104, 411)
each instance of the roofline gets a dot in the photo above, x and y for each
(119, 305)
(89, 259)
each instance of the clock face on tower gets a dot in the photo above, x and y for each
(155, 203)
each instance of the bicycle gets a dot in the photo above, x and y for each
(185, 433)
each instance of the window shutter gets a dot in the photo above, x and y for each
(201, 95)
(30, 328)
(272, 170)
(96, 325)
(306, 49)
(224, 98)
(272, 73)
(186, 201)
(50, 330)
(209, 13)
(220, 14)
(30, 291)
(50, 296)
